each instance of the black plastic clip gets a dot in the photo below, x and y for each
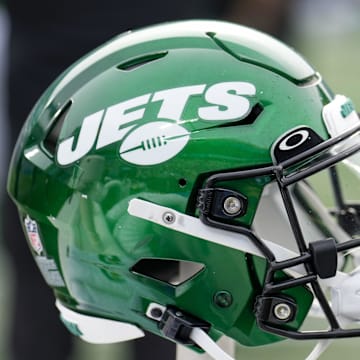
(204, 200)
(212, 202)
(324, 257)
(177, 325)
(275, 309)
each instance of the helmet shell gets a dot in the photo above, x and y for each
(149, 115)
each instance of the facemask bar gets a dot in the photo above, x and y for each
(319, 258)
(346, 215)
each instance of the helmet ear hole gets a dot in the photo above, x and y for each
(173, 272)
(182, 182)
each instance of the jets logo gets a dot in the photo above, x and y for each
(162, 139)
(154, 143)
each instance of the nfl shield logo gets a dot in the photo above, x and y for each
(33, 234)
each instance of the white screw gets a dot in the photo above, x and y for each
(282, 311)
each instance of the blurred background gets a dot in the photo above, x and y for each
(326, 32)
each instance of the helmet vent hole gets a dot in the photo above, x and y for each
(140, 61)
(182, 182)
(56, 125)
(173, 272)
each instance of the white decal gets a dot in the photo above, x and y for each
(236, 107)
(340, 115)
(157, 141)
(50, 271)
(117, 116)
(174, 100)
(294, 140)
(67, 154)
(32, 232)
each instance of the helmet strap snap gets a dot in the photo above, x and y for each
(185, 329)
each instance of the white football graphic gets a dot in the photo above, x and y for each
(154, 143)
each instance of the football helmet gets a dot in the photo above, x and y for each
(193, 179)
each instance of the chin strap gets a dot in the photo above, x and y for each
(344, 302)
(203, 340)
(319, 348)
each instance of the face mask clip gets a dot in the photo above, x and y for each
(324, 257)
(221, 203)
(178, 325)
(275, 309)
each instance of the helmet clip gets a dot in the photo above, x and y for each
(324, 257)
(275, 309)
(221, 203)
(177, 325)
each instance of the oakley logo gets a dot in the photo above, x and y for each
(297, 141)
(294, 140)
(156, 141)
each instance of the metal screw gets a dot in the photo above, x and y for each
(169, 218)
(156, 313)
(282, 311)
(232, 205)
(223, 299)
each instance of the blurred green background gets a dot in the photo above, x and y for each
(327, 33)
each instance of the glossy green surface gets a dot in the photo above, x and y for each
(82, 208)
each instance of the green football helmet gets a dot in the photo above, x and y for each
(193, 178)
